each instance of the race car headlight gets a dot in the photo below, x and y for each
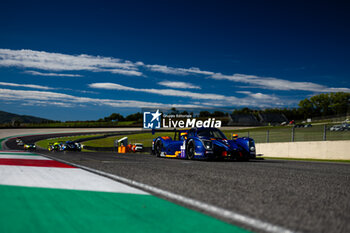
(208, 145)
(252, 148)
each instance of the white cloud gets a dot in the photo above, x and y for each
(182, 85)
(45, 98)
(177, 71)
(25, 85)
(165, 92)
(120, 71)
(258, 95)
(166, 69)
(27, 58)
(32, 72)
(277, 84)
(196, 70)
(63, 62)
(207, 99)
(270, 83)
(334, 89)
(46, 103)
(83, 91)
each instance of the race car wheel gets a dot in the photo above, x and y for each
(158, 148)
(190, 150)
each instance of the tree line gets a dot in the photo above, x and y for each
(118, 117)
(327, 104)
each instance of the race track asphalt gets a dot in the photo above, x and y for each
(298, 195)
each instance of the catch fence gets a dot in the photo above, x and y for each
(320, 132)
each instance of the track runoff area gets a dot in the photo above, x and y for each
(38, 194)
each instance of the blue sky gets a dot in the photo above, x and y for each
(85, 60)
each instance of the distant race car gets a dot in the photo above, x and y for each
(137, 147)
(342, 127)
(30, 147)
(204, 143)
(71, 146)
(55, 146)
(336, 128)
(345, 126)
(19, 142)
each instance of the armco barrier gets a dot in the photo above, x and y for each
(337, 150)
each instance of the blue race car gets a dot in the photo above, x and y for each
(71, 146)
(204, 143)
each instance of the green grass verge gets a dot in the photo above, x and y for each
(144, 138)
(312, 160)
(45, 143)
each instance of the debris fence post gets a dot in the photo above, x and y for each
(325, 132)
(267, 135)
(293, 133)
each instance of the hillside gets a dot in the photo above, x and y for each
(6, 117)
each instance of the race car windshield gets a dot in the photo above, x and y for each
(211, 133)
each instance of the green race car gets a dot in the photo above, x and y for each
(55, 146)
(30, 147)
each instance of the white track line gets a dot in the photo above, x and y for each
(62, 178)
(15, 152)
(34, 157)
(227, 214)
